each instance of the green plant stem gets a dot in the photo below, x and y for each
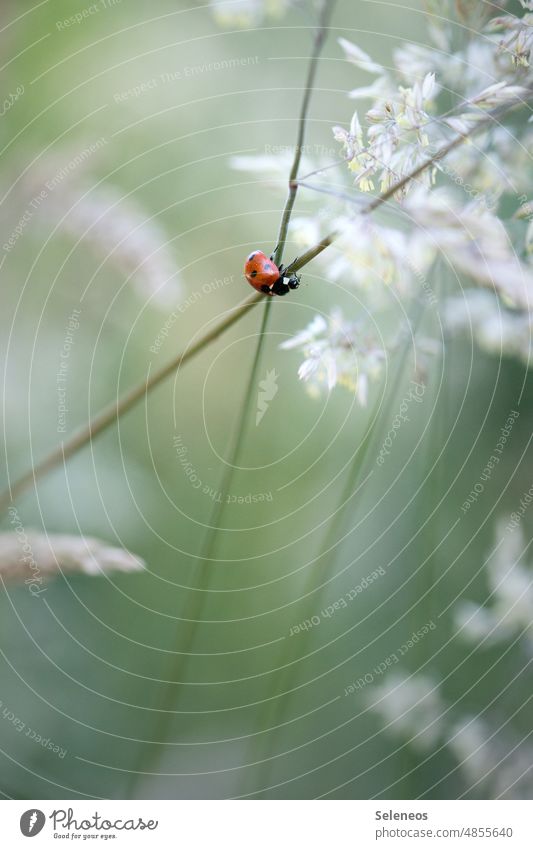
(197, 598)
(382, 198)
(114, 411)
(276, 710)
(198, 601)
(111, 414)
(320, 37)
(374, 204)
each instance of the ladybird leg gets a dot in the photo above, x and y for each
(292, 263)
(266, 290)
(274, 253)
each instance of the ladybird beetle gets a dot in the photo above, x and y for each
(264, 275)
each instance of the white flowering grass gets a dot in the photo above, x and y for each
(493, 762)
(491, 759)
(122, 234)
(508, 609)
(409, 706)
(337, 351)
(29, 556)
(115, 226)
(495, 328)
(452, 211)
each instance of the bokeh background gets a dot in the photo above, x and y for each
(163, 97)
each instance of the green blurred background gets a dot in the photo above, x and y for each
(85, 665)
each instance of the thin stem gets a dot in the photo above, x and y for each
(313, 252)
(319, 171)
(331, 192)
(436, 119)
(218, 512)
(186, 632)
(276, 710)
(320, 37)
(199, 597)
(381, 199)
(112, 413)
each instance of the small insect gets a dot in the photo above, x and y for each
(264, 275)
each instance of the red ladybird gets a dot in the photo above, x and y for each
(261, 272)
(264, 275)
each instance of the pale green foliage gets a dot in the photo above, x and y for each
(247, 13)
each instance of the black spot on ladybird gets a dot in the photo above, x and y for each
(253, 274)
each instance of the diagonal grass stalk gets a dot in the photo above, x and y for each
(111, 414)
(276, 710)
(197, 598)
